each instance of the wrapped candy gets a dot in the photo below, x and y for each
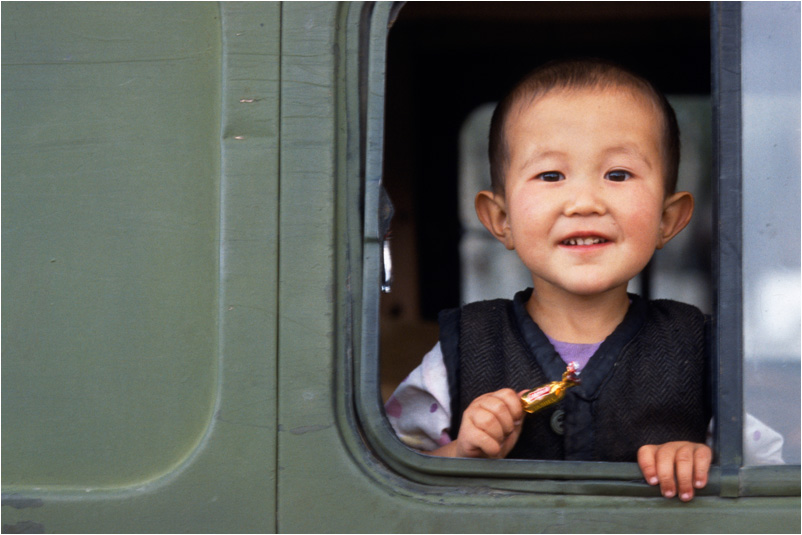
(535, 399)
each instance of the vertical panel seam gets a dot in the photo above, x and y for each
(277, 360)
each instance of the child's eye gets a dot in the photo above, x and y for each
(551, 176)
(618, 176)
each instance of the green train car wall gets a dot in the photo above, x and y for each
(196, 203)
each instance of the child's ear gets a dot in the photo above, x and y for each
(677, 212)
(492, 212)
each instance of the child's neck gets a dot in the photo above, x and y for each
(578, 319)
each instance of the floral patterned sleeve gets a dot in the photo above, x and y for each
(762, 444)
(420, 408)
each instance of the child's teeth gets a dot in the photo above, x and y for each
(583, 241)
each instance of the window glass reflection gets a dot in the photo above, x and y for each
(771, 218)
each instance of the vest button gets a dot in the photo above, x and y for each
(557, 421)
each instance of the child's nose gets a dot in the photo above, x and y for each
(585, 198)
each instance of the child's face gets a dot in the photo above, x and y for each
(585, 189)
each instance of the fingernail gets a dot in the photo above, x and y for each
(653, 480)
(685, 496)
(518, 422)
(699, 484)
(669, 494)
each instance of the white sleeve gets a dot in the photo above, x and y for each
(420, 408)
(762, 444)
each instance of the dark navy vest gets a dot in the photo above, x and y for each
(646, 384)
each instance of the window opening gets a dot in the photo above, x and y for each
(444, 62)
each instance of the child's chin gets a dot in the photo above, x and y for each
(595, 288)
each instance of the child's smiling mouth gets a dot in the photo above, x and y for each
(589, 240)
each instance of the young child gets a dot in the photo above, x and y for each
(584, 158)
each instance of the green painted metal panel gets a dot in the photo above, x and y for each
(139, 267)
(109, 281)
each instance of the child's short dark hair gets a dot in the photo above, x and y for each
(580, 74)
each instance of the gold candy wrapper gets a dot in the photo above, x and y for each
(543, 396)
